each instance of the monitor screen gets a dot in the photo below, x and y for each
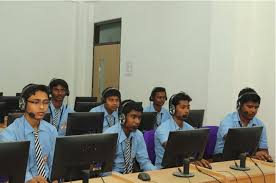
(184, 144)
(12, 103)
(14, 158)
(3, 111)
(195, 118)
(241, 140)
(86, 99)
(85, 106)
(79, 123)
(94, 152)
(148, 121)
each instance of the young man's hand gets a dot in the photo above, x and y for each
(204, 163)
(263, 155)
(38, 179)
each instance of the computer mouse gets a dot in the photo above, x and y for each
(269, 160)
(144, 176)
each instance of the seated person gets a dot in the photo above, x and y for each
(247, 107)
(131, 144)
(158, 97)
(34, 101)
(179, 107)
(111, 98)
(59, 111)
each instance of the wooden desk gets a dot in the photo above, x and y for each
(220, 170)
(254, 173)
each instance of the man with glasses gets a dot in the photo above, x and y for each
(59, 111)
(34, 101)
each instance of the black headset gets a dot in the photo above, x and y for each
(154, 90)
(122, 116)
(104, 93)
(243, 95)
(52, 82)
(22, 103)
(171, 105)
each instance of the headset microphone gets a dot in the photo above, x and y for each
(31, 114)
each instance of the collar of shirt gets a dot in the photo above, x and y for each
(122, 136)
(114, 114)
(28, 128)
(53, 107)
(174, 126)
(153, 109)
(238, 122)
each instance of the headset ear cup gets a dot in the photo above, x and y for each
(122, 118)
(172, 109)
(22, 104)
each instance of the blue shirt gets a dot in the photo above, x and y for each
(165, 114)
(101, 108)
(162, 134)
(138, 149)
(21, 130)
(232, 120)
(63, 116)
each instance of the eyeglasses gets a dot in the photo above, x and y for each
(39, 102)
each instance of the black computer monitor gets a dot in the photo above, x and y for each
(85, 106)
(1, 93)
(13, 116)
(86, 99)
(18, 94)
(14, 158)
(148, 121)
(79, 123)
(3, 111)
(241, 140)
(12, 103)
(195, 118)
(81, 152)
(47, 117)
(184, 144)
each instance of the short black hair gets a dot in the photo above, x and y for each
(55, 82)
(128, 105)
(110, 91)
(31, 89)
(248, 94)
(175, 99)
(157, 89)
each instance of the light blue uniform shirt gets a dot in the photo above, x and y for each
(162, 134)
(63, 116)
(21, 130)
(232, 120)
(101, 108)
(138, 149)
(165, 114)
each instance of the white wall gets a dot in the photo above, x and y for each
(163, 45)
(43, 40)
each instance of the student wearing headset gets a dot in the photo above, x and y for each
(131, 144)
(58, 110)
(111, 98)
(158, 97)
(31, 127)
(247, 107)
(179, 107)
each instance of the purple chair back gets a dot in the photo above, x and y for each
(3, 179)
(149, 140)
(209, 149)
